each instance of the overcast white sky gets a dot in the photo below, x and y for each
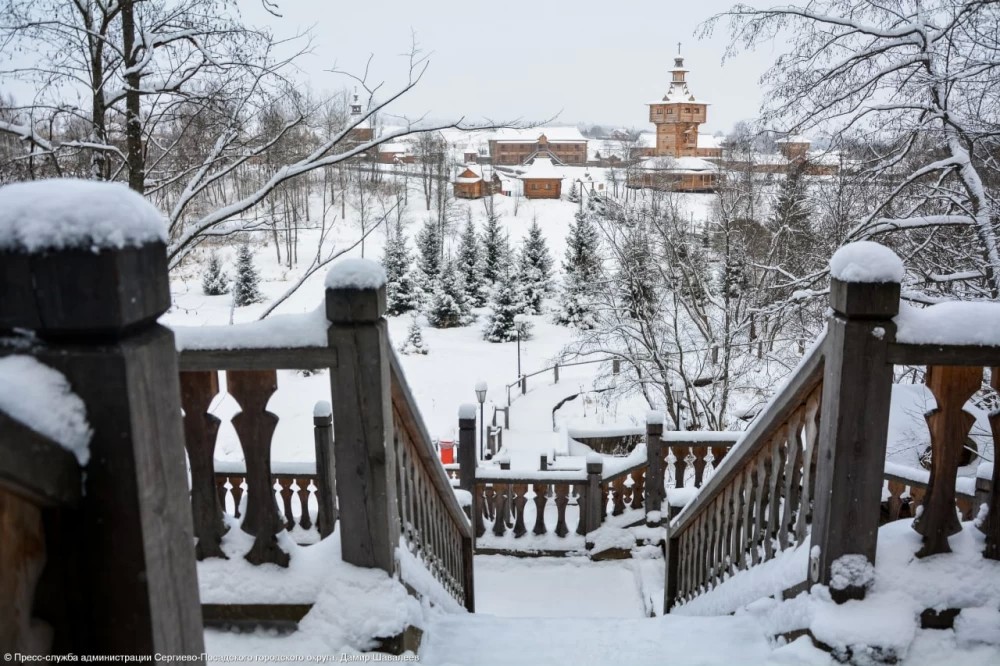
(589, 62)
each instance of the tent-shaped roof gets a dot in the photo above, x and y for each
(541, 167)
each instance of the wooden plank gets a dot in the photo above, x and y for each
(36, 468)
(22, 559)
(956, 355)
(265, 358)
(326, 475)
(992, 525)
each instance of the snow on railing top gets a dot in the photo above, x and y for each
(609, 430)
(713, 436)
(964, 485)
(952, 323)
(865, 261)
(69, 213)
(654, 417)
(280, 331)
(322, 409)
(355, 274)
(41, 398)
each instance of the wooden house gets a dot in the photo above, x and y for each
(563, 145)
(471, 183)
(681, 174)
(542, 180)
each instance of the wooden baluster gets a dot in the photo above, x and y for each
(618, 501)
(198, 389)
(605, 492)
(325, 481)
(638, 489)
(749, 491)
(681, 454)
(305, 520)
(774, 491)
(917, 494)
(520, 499)
(759, 505)
(479, 507)
(286, 492)
(562, 499)
(896, 489)
(540, 501)
(255, 427)
(580, 490)
(991, 526)
(721, 537)
(965, 506)
(735, 554)
(489, 504)
(237, 483)
(949, 426)
(718, 453)
(500, 509)
(221, 491)
(793, 477)
(808, 464)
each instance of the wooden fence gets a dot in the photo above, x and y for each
(811, 466)
(376, 468)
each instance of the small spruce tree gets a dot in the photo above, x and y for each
(448, 305)
(400, 291)
(246, 287)
(414, 343)
(581, 270)
(574, 193)
(214, 282)
(506, 303)
(535, 269)
(493, 251)
(470, 266)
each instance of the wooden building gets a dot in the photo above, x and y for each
(542, 180)
(794, 147)
(681, 174)
(677, 117)
(471, 183)
(563, 145)
(361, 128)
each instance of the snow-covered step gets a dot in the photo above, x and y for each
(487, 640)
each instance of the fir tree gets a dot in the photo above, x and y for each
(414, 343)
(635, 275)
(493, 251)
(214, 282)
(581, 268)
(535, 269)
(448, 305)
(246, 288)
(470, 266)
(429, 250)
(574, 193)
(505, 305)
(400, 291)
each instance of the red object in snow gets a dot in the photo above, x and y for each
(447, 451)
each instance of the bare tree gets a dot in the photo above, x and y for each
(920, 79)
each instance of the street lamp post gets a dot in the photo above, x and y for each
(481, 397)
(677, 393)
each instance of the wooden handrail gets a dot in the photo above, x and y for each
(806, 377)
(402, 399)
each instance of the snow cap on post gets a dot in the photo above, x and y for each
(654, 417)
(80, 257)
(322, 409)
(355, 291)
(865, 261)
(865, 278)
(467, 411)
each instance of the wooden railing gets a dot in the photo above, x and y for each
(375, 469)
(811, 466)
(515, 502)
(522, 381)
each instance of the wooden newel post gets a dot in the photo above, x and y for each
(362, 414)
(326, 469)
(467, 447)
(595, 472)
(653, 501)
(120, 576)
(857, 386)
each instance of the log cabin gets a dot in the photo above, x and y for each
(542, 180)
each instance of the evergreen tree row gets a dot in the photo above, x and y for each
(246, 285)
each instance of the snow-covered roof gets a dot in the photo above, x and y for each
(394, 147)
(694, 165)
(794, 138)
(463, 177)
(710, 141)
(531, 135)
(67, 213)
(541, 167)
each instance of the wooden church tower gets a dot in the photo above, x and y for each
(677, 116)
